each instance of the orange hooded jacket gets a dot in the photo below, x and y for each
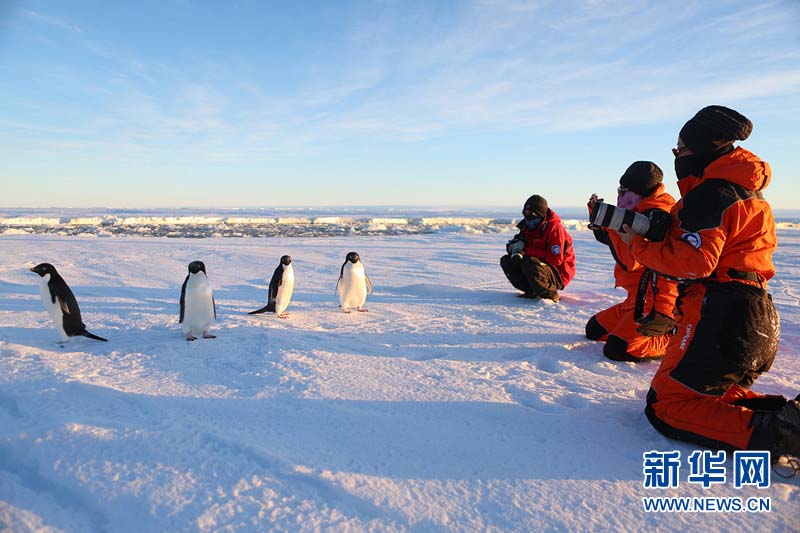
(723, 228)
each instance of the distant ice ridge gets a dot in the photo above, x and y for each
(279, 223)
(237, 226)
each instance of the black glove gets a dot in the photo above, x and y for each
(768, 402)
(516, 249)
(656, 324)
(660, 224)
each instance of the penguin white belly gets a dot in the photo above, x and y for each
(353, 287)
(285, 290)
(53, 309)
(198, 313)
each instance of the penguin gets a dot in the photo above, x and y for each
(198, 309)
(280, 289)
(61, 304)
(354, 283)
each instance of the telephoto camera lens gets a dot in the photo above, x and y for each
(612, 217)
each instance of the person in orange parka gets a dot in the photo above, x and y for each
(720, 247)
(628, 333)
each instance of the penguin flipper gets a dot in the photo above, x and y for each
(93, 336)
(341, 275)
(183, 298)
(274, 283)
(214, 305)
(61, 294)
(70, 313)
(369, 283)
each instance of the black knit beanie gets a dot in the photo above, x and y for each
(642, 177)
(536, 204)
(713, 128)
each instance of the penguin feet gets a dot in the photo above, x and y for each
(362, 310)
(283, 315)
(207, 335)
(191, 338)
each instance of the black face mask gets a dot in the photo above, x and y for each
(687, 166)
(695, 164)
(533, 223)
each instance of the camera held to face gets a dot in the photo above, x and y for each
(652, 226)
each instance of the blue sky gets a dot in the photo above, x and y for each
(178, 103)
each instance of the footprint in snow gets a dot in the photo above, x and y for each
(549, 406)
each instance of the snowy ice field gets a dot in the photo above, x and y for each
(451, 405)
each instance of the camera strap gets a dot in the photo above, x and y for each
(648, 278)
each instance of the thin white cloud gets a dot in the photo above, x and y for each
(489, 66)
(54, 22)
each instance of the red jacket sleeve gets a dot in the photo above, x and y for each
(556, 243)
(560, 253)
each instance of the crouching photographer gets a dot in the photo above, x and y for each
(639, 327)
(540, 259)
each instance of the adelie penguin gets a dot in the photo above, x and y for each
(353, 284)
(198, 309)
(280, 289)
(61, 304)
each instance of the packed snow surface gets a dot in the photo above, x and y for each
(451, 405)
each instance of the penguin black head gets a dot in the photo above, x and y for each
(286, 260)
(197, 266)
(353, 257)
(43, 269)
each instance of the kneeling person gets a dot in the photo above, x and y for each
(628, 333)
(540, 259)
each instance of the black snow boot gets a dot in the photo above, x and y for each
(785, 432)
(786, 429)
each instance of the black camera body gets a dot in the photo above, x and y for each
(652, 226)
(516, 249)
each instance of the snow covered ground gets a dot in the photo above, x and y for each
(451, 405)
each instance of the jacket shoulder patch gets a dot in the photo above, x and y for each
(693, 239)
